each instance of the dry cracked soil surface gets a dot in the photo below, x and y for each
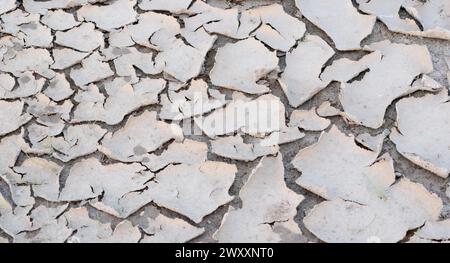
(224, 121)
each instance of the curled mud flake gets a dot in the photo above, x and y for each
(212, 19)
(433, 232)
(111, 16)
(182, 62)
(300, 80)
(365, 101)
(308, 120)
(162, 229)
(87, 230)
(36, 35)
(59, 20)
(27, 85)
(29, 59)
(268, 208)
(364, 203)
(7, 83)
(194, 101)
(20, 192)
(42, 7)
(194, 190)
(129, 58)
(10, 148)
(327, 110)
(188, 152)
(373, 143)
(257, 117)
(285, 135)
(425, 118)
(240, 65)
(58, 88)
(340, 20)
(402, 207)
(336, 167)
(42, 176)
(123, 98)
(93, 69)
(271, 25)
(143, 131)
(83, 38)
(234, 147)
(66, 58)
(14, 220)
(426, 18)
(118, 189)
(77, 141)
(12, 22)
(141, 33)
(7, 5)
(44, 226)
(174, 6)
(12, 116)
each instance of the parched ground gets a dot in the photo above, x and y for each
(105, 110)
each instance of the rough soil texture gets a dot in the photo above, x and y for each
(439, 50)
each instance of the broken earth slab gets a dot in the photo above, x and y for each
(77, 141)
(432, 232)
(365, 101)
(111, 16)
(12, 116)
(27, 85)
(182, 58)
(11, 22)
(308, 120)
(268, 208)
(162, 229)
(174, 7)
(7, 5)
(42, 7)
(300, 80)
(270, 24)
(187, 152)
(123, 98)
(117, 189)
(46, 227)
(58, 88)
(425, 118)
(424, 18)
(42, 175)
(285, 135)
(127, 59)
(373, 143)
(194, 190)
(363, 177)
(340, 20)
(66, 58)
(257, 117)
(240, 65)
(35, 34)
(28, 59)
(88, 230)
(327, 110)
(364, 202)
(92, 69)
(59, 20)
(84, 38)
(141, 135)
(234, 147)
(196, 100)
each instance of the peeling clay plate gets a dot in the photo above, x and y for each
(155, 121)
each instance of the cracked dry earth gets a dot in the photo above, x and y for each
(224, 121)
